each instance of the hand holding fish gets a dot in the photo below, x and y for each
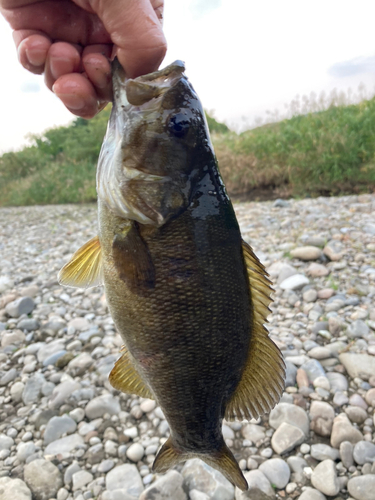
(71, 41)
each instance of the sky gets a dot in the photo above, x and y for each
(243, 57)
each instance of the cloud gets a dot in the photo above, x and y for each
(30, 86)
(357, 66)
(200, 8)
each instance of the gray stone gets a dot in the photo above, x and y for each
(23, 305)
(280, 203)
(296, 464)
(317, 270)
(167, 487)
(48, 349)
(125, 477)
(24, 450)
(81, 478)
(51, 360)
(344, 431)
(356, 414)
(6, 442)
(8, 377)
(33, 388)
(286, 437)
(276, 471)
(15, 337)
(43, 478)
(70, 470)
(200, 476)
(80, 364)
(62, 392)
(13, 489)
(58, 426)
(286, 271)
(311, 494)
(295, 282)
(106, 466)
(337, 381)
(28, 324)
(135, 452)
(346, 454)
(362, 487)
(102, 404)
(291, 373)
(119, 494)
(322, 452)
(364, 452)
(64, 445)
(306, 253)
(357, 329)
(313, 369)
(16, 391)
(290, 414)
(358, 365)
(43, 417)
(324, 478)
(334, 250)
(322, 410)
(259, 487)
(253, 432)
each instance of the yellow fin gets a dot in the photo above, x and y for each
(125, 378)
(84, 269)
(222, 460)
(263, 380)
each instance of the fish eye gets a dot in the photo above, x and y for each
(179, 125)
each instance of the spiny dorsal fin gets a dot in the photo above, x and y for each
(125, 378)
(263, 379)
(84, 269)
(222, 460)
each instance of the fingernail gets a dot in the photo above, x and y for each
(36, 57)
(72, 101)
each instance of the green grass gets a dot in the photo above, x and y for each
(319, 152)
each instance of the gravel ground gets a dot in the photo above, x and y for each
(65, 433)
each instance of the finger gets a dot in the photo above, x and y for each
(62, 58)
(95, 60)
(32, 48)
(136, 31)
(78, 94)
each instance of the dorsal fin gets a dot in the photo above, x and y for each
(84, 269)
(125, 378)
(263, 379)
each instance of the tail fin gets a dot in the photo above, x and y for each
(222, 460)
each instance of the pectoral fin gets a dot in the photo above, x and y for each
(263, 379)
(84, 269)
(125, 378)
(133, 261)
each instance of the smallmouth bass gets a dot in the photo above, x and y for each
(186, 293)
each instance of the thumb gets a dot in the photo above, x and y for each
(135, 27)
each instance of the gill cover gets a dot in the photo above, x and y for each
(129, 190)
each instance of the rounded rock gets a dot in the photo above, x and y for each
(276, 471)
(43, 478)
(135, 452)
(324, 478)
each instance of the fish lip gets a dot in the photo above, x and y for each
(155, 85)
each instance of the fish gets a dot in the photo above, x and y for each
(187, 294)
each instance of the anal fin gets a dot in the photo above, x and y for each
(84, 269)
(125, 378)
(263, 379)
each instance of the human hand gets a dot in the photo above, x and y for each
(71, 42)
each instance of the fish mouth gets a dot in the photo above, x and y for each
(144, 91)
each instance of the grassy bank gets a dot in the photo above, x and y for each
(321, 152)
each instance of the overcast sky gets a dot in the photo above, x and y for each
(243, 57)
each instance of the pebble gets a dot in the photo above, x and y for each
(169, 486)
(259, 487)
(23, 305)
(43, 478)
(276, 471)
(55, 361)
(13, 489)
(306, 253)
(324, 478)
(362, 487)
